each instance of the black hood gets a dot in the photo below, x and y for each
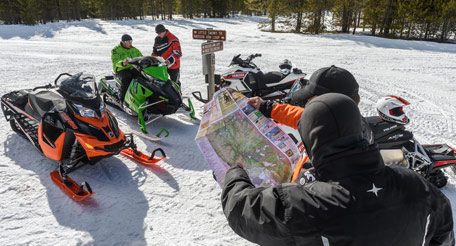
(330, 125)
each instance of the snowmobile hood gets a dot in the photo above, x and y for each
(330, 124)
(160, 73)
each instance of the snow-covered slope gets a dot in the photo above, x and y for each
(177, 202)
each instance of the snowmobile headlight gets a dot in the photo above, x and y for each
(88, 112)
(159, 83)
(147, 76)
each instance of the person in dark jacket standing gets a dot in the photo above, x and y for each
(356, 199)
(122, 69)
(167, 46)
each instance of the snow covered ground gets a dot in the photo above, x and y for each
(177, 202)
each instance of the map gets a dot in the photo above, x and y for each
(231, 132)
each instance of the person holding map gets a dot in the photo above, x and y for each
(324, 80)
(356, 199)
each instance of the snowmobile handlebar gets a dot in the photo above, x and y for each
(244, 63)
(48, 86)
(60, 75)
(145, 61)
(252, 56)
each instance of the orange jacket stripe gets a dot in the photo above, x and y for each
(298, 168)
(287, 114)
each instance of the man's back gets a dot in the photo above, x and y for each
(356, 199)
(368, 205)
(389, 206)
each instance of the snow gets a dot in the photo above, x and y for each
(177, 202)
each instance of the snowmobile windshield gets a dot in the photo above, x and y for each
(79, 85)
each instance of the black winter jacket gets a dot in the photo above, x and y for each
(359, 202)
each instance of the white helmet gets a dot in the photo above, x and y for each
(286, 66)
(389, 108)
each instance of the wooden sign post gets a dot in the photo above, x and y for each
(214, 42)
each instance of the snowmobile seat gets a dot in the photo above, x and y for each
(268, 78)
(381, 128)
(440, 152)
(43, 101)
(18, 98)
(273, 77)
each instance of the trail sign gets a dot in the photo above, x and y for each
(211, 47)
(208, 34)
(214, 43)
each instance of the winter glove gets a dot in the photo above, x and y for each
(237, 165)
(178, 53)
(266, 108)
(170, 61)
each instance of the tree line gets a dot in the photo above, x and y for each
(410, 19)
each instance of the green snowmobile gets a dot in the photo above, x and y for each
(149, 96)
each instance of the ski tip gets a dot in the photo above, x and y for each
(71, 188)
(142, 158)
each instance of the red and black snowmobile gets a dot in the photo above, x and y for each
(398, 145)
(67, 122)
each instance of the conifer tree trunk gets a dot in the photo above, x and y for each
(388, 18)
(273, 18)
(11, 17)
(298, 22)
(444, 33)
(374, 27)
(170, 9)
(190, 8)
(354, 24)
(426, 32)
(57, 8)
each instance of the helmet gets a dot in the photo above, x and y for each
(389, 108)
(285, 66)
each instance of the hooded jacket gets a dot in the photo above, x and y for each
(169, 48)
(356, 199)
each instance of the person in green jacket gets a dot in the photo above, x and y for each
(124, 71)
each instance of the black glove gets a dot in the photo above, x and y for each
(266, 108)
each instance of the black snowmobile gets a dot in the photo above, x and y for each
(68, 122)
(428, 160)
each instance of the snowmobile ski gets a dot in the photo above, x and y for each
(71, 188)
(189, 119)
(152, 138)
(142, 158)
